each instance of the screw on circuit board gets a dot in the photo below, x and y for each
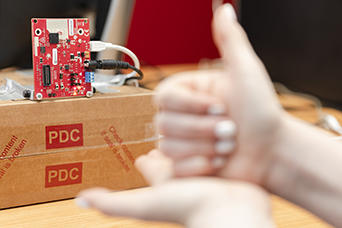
(39, 96)
(89, 94)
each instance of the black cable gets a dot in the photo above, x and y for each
(110, 64)
(158, 75)
(141, 74)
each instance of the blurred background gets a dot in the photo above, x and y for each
(299, 41)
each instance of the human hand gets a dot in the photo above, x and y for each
(284, 155)
(193, 202)
(237, 144)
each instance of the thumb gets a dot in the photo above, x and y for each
(251, 89)
(172, 202)
(155, 167)
(229, 36)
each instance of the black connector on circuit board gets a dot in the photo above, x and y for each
(46, 75)
(110, 64)
(106, 64)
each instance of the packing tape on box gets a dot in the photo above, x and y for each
(14, 147)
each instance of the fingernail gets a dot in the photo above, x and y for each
(216, 110)
(224, 147)
(192, 164)
(228, 11)
(82, 203)
(218, 162)
(225, 129)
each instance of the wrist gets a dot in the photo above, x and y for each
(298, 153)
(237, 204)
(305, 169)
(278, 171)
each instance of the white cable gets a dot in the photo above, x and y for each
(98, 46)
(337, 138)
(127, 52)
(332, 124)
(327, 121)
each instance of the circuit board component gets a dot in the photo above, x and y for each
(60, 48)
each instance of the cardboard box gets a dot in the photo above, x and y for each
(51, 150)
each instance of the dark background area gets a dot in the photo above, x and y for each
(15, 24)
(300, 42)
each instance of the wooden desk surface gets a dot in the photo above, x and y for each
(66, 214)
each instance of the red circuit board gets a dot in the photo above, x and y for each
(60, 47)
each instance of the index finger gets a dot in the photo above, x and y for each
(189, 93)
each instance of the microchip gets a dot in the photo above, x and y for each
(54, 38)
(66, 66)
(72, 56)
(46, 75)
(42, 50)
